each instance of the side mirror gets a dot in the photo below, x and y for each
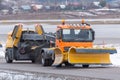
(58, 34)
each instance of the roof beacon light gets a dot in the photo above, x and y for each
(83, 21)
(63, 22)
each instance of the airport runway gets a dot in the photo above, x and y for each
(77, 72)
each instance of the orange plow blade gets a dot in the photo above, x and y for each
(89, 56)
(58, 57)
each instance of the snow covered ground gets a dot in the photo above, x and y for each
(115, 58)
(2, 49)
(17, 75)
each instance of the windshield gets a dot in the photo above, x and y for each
(77, 35)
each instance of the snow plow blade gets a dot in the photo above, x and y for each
(90, 55)
(58, 57)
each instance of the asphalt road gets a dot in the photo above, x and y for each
(93, 72)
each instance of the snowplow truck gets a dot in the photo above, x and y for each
(24, 44)
(73, 44)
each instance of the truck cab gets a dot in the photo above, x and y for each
(77, 36)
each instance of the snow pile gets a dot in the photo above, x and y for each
(2, 51)
(17, 75)
(13, 75)
(2, 54)
(115, 58)
(86, 14)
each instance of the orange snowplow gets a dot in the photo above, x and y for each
(73, 44)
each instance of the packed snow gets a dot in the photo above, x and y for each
(115, 58)
(17, 75)
(2, 49)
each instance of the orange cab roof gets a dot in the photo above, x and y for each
(74, 26)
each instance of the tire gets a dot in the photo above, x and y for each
(38, 58)
(68, 64)
(85, 66)
(8, 59)
(46, 62)
(58, 66)
(33, 61)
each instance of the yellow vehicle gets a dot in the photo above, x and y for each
(73, 44)
(24, 44)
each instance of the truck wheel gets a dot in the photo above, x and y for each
(8, 59)
(85, 66)
(58, 66)
(50, 62)
(46, 62)
(68, 64)
(33, 61)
